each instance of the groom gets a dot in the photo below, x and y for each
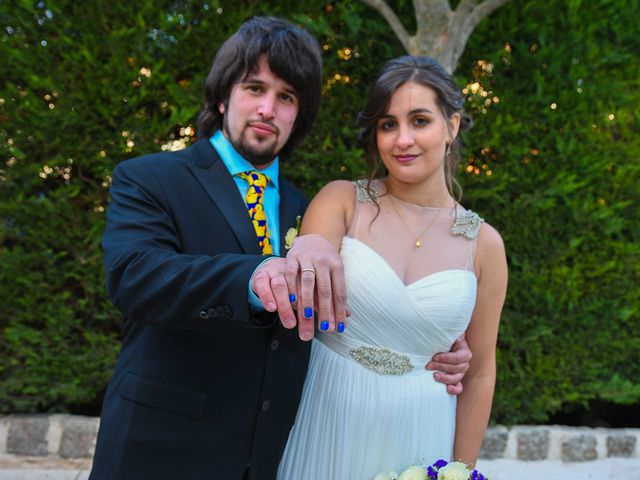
(208, 381)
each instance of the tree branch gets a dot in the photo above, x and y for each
(392, 19)
(483, 10)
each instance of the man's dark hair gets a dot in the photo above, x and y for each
(292, 54)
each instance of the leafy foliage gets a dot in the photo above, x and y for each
(88, 86)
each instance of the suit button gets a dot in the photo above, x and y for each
(266, 405)
(275, 344)
(203, 315)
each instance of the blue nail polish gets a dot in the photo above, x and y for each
(292, 298)
(308, 312)
(340, 327)
(324, 326)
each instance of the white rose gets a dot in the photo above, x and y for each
(414, 473)
(382, 476)
(454, 471)
(387, 476)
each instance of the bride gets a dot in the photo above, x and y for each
(420, 270)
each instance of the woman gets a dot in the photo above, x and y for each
(420, 270)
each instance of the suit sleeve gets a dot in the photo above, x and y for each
(148, 277)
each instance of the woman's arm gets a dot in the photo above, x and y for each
(329, 213)
(474, 404)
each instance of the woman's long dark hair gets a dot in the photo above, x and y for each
(292, 54)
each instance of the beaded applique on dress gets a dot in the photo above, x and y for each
(467, 224)
(363, 196)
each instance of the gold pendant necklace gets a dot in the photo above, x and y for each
(417, 242)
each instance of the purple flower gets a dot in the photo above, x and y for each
(440, 463)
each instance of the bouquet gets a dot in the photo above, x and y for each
(440, 470)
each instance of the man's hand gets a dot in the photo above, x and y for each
(315, 272)
(270, 285)
(452, 365)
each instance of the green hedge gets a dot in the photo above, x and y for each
(86, 87)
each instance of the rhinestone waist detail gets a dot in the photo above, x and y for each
(380, 360)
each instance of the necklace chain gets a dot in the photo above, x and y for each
(417, 243)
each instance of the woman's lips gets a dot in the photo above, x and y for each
(404, 158)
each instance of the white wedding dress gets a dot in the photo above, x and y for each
(369, 405)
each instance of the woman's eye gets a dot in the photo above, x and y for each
(387, 125)
(420, 121)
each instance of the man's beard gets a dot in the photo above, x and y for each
(255, 157)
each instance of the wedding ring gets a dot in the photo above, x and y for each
(312, 270)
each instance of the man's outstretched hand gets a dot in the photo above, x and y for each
(310, 279)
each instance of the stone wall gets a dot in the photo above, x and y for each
(73, 437)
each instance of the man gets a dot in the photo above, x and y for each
(207, 382)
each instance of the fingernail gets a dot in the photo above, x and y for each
(340, 327)
(270, 307)
(324, 326)
(308, 312)
(292, 298)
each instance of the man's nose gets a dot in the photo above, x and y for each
(267, 108)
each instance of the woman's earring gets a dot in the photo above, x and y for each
(447, 152)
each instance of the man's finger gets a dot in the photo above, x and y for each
(446, 367)
(448, 378)
(339, 297)
(261, 285)
(280, 290)
(305, 302)
(291, 274)
(326, 320)
(455, 389)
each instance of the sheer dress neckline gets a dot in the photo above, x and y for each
(414, 241)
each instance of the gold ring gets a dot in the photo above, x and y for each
(312, 270)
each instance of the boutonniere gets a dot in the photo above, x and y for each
(292, 233)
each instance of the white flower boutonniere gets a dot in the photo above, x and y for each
(292, 233)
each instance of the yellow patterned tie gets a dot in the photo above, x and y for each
(257, 184)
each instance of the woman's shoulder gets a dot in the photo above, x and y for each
(490, 243)
(341, 189)
(337, 193)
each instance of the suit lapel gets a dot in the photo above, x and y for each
(214, 177)
(290, 207)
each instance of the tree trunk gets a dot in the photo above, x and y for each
(442, 33)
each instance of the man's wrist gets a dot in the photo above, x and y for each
(254, 300)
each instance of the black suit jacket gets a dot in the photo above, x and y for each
(203, 386)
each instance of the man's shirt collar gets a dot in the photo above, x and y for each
(236, 163)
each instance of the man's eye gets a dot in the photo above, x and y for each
(288, 98)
